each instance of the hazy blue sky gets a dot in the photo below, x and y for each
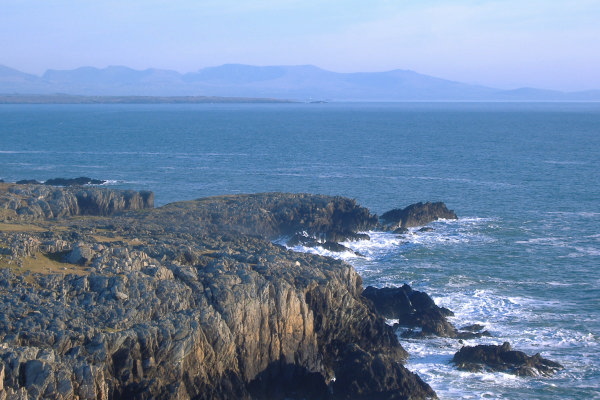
(551, 44)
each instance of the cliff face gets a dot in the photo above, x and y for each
(190, 301)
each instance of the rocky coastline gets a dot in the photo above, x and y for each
(106, 297)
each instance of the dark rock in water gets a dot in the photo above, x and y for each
(472, 332)
(338, 248)
(299, 239)
(426, 229)
(400, 231)
(472, 328)
(74, 181)
(501, 358)
(346, 236)
(412, 309)
(28, 182)
(418, 214)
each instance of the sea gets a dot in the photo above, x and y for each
(523, 259)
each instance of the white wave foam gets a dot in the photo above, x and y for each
(22, 152)
(565, 162)
(564, 243)
(586, 214)
(493, 185)
(109, 182)
(346, 255)
(584, 251)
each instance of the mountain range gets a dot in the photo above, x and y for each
(300, 83)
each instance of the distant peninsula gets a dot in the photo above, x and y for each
(74, 99)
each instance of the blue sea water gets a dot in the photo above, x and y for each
(523, 259)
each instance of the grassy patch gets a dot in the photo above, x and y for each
(43, 264)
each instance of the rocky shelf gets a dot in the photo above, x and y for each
(105, 297)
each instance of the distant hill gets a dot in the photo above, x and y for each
(303, 83)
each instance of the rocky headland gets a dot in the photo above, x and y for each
(105, 297)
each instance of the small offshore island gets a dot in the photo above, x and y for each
(106, 297)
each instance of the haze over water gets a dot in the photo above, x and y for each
(523, 178)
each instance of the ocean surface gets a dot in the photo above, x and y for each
(523, 259)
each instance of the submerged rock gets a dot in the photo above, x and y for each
(417, 214)
(501, 358)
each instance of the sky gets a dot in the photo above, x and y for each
(551, 44)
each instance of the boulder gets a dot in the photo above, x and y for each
(417, 214)
(81, 254)
(502, 358)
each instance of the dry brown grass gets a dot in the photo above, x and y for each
(7, 227)
(116, 238)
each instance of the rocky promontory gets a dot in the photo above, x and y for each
(103, 297)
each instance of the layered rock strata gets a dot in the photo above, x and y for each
(191, 300)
